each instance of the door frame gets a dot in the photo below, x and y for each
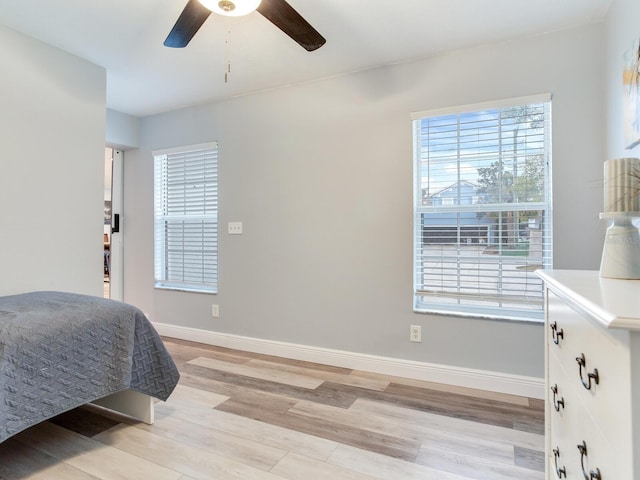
(116, 276)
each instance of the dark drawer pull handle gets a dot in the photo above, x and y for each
(560, 472)
(557, 403)
(556, 334)
(590, 376)
(593, 474)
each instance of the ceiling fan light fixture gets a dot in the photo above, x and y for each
(231, 8)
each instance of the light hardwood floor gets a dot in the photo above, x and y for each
(243, 416)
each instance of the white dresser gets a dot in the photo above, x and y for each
(592, 375)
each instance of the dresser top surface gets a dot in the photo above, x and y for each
(612, 302)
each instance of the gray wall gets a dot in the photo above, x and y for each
(52, 130)
(122, 130)
(321, 176)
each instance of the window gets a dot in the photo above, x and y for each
(482, 209)
(186, 218)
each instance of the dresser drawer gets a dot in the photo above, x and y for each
(577, 333)
(560, 403)
(591, 451)
(605, 353)
(570, 425)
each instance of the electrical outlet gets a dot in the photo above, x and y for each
(415, 333)
(215, 311)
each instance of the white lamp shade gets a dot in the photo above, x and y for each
(231, 8)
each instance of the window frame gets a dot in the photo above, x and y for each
(459, 304)
(198, 219)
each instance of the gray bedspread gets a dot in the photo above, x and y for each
(61, 350)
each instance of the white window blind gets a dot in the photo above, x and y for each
(186, 218)
(482, 209)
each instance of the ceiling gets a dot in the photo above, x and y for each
(144, 77)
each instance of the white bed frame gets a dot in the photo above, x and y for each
(131, 403)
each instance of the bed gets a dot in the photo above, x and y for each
(62, 350)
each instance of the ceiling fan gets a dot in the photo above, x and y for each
(278, 12)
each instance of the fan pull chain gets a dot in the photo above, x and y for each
(227, 51)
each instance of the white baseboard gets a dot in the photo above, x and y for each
(463, 377)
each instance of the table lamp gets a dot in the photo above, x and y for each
(621, 252)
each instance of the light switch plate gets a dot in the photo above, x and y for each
(234, 228)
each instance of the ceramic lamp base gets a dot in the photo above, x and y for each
(621, 252)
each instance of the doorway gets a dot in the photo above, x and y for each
(113, 254)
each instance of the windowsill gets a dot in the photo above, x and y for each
(185, 289)
(505, 318)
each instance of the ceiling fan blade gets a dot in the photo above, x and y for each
(188, 23)
(283, 16)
